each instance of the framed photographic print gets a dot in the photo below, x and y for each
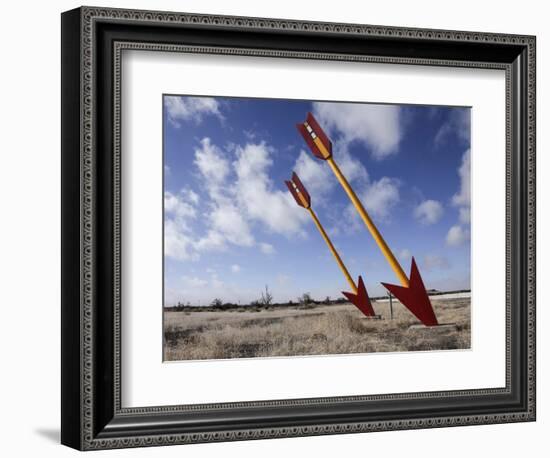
(277, 228)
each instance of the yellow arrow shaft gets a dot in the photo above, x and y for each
(333, 251)
(394, 264)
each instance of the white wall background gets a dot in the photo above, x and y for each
(30, 214)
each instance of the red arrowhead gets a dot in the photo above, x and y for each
(415, 297)
(361, 300)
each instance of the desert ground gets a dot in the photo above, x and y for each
(319, 329)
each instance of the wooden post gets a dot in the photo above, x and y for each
(391, 306)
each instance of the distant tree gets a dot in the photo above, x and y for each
(216, 303)
(266, 297)
(327, 300)
(305, 299)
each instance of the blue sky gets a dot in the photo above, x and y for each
(231, 226)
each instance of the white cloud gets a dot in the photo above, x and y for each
(404, 254)
(182, 108)
(211, 163)
(274, 209)
(460, 233)
(378, 198)
(194, 282)
(235, 268)
(457, 235)
(316, 176)
(350, 166)
(457, 125)
(462, 197)
(178, 243)
(177, 206)
(381, 196)
(190, 195)
(239, 196)
(179, 212)
(267, 248)
(212, 241)
(464, 215)
(429, 212)
(378, 127)
(435, 262)
(227, 220)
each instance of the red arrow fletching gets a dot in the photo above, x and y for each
(310, 119)
(301, 188)
(319, 133)
(293, 192)
(296, 188)
(309, 140)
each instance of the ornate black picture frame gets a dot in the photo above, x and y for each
(92, 42)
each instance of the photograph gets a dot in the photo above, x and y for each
(280, 221)
(311, 227)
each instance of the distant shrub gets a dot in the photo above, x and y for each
(218, 303)
(266, 297)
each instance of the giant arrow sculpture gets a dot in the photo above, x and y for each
(411, 294)
(359, 296)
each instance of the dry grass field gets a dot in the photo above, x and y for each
(316, 330)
